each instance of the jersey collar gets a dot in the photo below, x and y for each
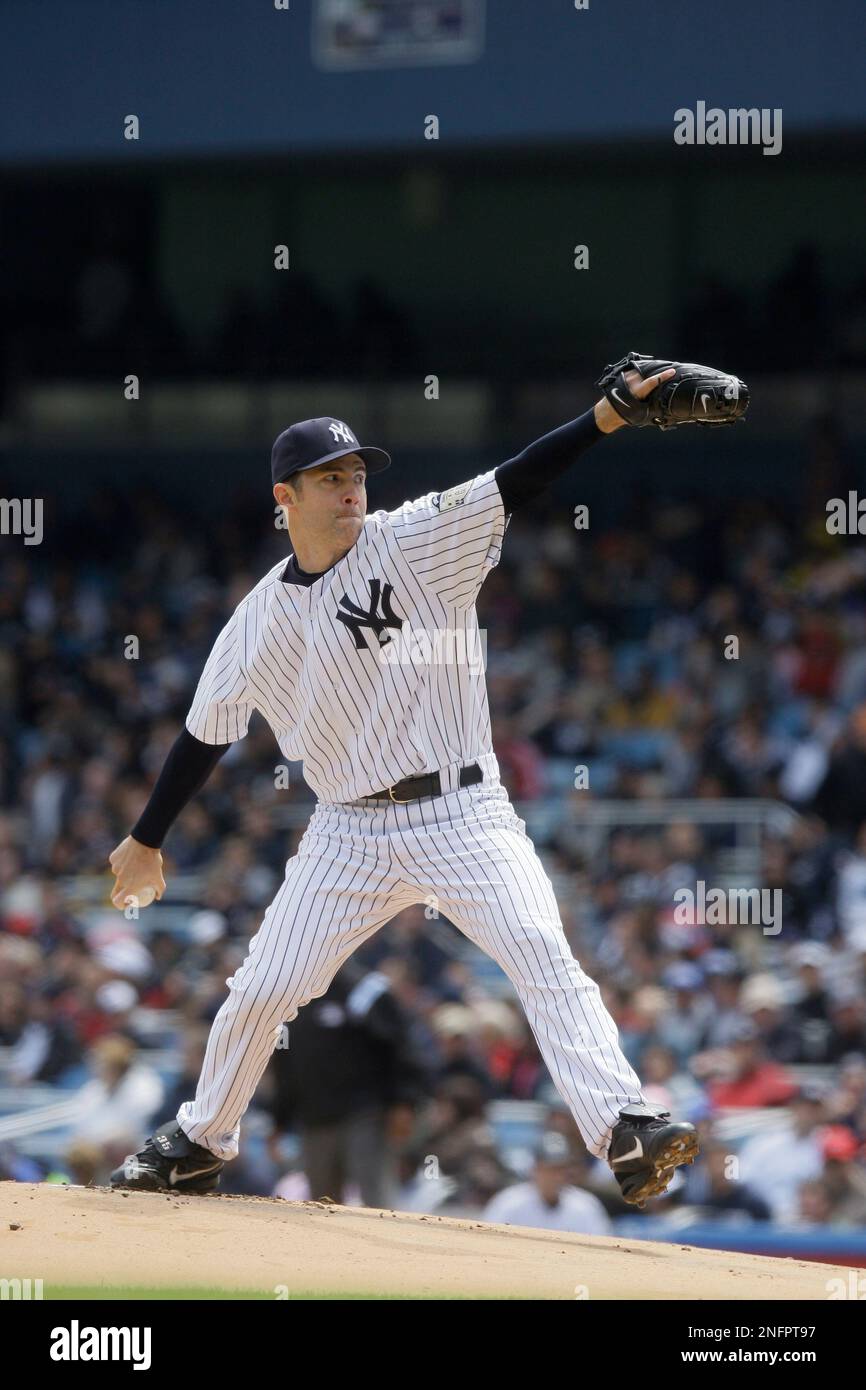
(293, 575)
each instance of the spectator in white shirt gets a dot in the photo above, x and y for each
(548, 1200)
(775, 1164)
(121, 1099)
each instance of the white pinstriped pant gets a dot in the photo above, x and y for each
(358, 866)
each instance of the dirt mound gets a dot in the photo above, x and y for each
(95, 1237)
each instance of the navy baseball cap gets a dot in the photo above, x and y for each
(311, 442)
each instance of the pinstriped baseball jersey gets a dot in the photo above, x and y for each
(368, 673)
(373, 670)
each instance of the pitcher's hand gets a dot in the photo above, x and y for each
(606, 417)
(138, 873)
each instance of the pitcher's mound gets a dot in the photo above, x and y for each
(94, 1237)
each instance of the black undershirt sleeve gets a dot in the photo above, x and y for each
(525, 476)
(185, 771)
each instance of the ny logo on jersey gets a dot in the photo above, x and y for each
(341, 431)
(355, 618)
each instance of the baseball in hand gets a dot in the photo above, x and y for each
(145, 896)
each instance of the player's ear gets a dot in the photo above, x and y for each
(283, 493)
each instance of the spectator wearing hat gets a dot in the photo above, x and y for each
(548, 1200)
(723, 974)
(456, 1031)
(683, 1025)
(776, 1163)
(848, 1023)
(810, 1007)
(763, 1000)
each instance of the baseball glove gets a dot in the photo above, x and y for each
(695, 396)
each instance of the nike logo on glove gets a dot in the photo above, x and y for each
(637, 1152)
(614, 392)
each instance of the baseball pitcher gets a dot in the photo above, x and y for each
(360, 651)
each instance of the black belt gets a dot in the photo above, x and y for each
(425, 784)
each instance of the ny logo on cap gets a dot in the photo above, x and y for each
(341, 431)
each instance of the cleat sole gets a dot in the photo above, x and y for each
(684, 1149)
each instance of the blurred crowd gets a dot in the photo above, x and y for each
(608, 650)
(108, 306)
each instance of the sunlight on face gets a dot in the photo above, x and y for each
(334, 495)
(325, 507)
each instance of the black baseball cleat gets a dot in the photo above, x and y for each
(646, 1145)
(169, 1162)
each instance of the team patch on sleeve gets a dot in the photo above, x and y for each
(454, 496)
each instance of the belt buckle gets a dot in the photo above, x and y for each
(396, 799)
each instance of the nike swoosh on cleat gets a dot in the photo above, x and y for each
(704, 398)
(637, 1152)
(174, 1176)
